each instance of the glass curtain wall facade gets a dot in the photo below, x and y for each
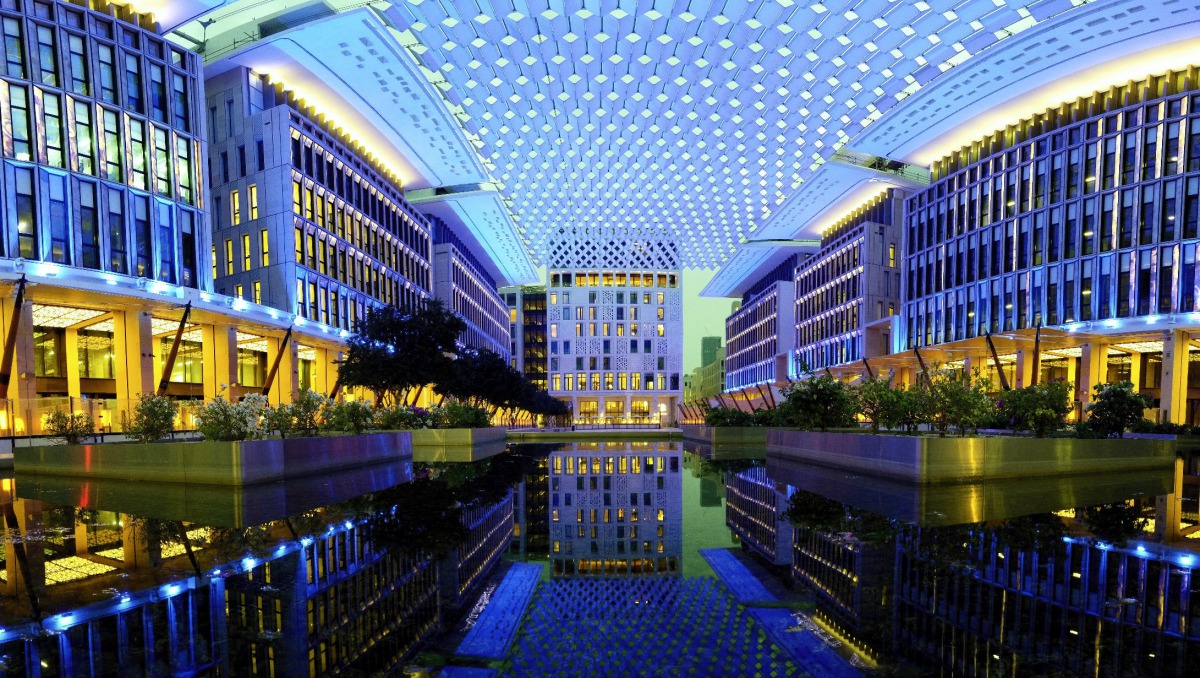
(303, 221)
(102, 144)
(527, 331)
(1089, 212)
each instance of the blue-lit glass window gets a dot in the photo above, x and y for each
(14, 52)
(26, 209)
(60, 221)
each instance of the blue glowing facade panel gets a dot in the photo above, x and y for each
(759, 336)
(102, 145)
(1087, 213)
(302, 221)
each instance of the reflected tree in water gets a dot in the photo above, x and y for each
(1115, 523)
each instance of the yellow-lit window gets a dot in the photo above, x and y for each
(238, 291)
(620, 329)
(662, 314)
(595, 381)
(295, 197)
(235, 208)
(661, 515)
(892, 254)
(264, 240)
(607, 329)
(257, 291)
(252, 195)
(553, 330)
(662, 331)
(608, 384)
(554, 298)
(214, 260)
(512, 315)
(592, 329)
(661, 297)
(556, 380)
(246, 252)
(579, 329)
(554, 515)
(556, 546)
(228, 256)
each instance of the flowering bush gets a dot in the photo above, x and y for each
(403, 416)
(223, 420)
(302, 417)
(348, 417)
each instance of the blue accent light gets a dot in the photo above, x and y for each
(216, 571)
(306, 541)
(240, 305)
(1103, 546)
(1186, 561)
(249, 563)
(1112, 324)
(349, 524)
(300, 321)
(1141, 550)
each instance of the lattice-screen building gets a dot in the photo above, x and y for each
(615, 311)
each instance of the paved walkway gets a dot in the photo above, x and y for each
(745, 587)
(804, 645)
(493, 633)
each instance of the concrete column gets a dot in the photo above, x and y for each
(133, 348)
(1167, 508)
(1072, 372)
(1023, 370)
(223, 356)
(287, 380)
(1093, 366)
(1174, 389)
(71, 348)
(23, 385)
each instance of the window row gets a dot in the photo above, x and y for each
(121, 75)
(839, 320)
(321, 301)
(54, 217)
(613, 279)
(325, 255)
(619, 381)
(74, 134)
(1149, 281)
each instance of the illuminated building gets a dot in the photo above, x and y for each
(301, 222)
(760, 334)
(468, 290)
(616, 508)
(527, 331)
(616, 328)
(754, 510)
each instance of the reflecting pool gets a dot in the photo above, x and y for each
(611, 558)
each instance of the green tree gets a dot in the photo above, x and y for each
(70, 428)
(1115, 408)
(395, 349)
(819, 402)
(953, 399)
(1041, 408)
(876, 400)
(726, 416)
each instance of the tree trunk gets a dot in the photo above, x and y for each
(187, 546)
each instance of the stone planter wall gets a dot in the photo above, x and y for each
(919, 459)
(726, 435)
(220, 463)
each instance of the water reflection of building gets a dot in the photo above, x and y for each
(531, 510)
(851, 578)
(754, 510)
(326, 603)
(1088, 609)
(616, 508)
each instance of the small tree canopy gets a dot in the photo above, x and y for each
(394, 349)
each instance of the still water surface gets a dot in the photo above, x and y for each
(647, 559)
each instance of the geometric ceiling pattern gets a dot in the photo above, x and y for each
(685, 119)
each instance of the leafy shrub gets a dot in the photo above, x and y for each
(226, 421)
(767, 417)
(1115, 408)
(279, 419)
(70, 428)
(459, 415)
(1041, 408)
(306, 411)
(348, 417)
(1147, 426)
(726, 416)
(153, 418)
(819, 402)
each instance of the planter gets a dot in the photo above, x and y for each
(948, 460)
(957, 503)
(233, 506)
(219, 463)
(457, 444)
(726, 435)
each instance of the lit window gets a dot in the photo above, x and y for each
(257, 292)
(238, 291)
(235, 208)
(265, 242)
(253, 194)
(228, 257)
